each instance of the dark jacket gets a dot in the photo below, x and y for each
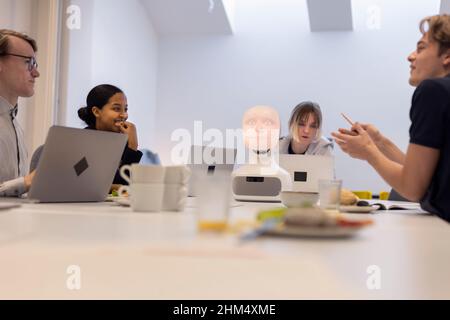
(129, 156)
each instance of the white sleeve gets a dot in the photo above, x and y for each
(13, 188)
(326, 150)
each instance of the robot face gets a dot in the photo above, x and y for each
(261, 126)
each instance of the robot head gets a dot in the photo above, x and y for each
(261, 128)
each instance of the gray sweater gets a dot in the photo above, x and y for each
(321, 147)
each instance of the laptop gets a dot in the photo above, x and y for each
(307, 170)
(77, 165)
(209, 162)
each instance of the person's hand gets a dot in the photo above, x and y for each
(129, 129)
(29, 179)
(356, 142)
(373, 132)
(348, 132)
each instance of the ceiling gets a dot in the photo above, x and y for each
(184, 17)
(330, 15)
(190, 16)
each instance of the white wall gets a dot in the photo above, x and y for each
(125, 54)
(39, 19)
(274, 59)
(76, 63)
(116, 44)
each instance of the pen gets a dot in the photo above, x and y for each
(348, 119)
(266, 226)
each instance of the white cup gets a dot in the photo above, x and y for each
(175, 187)
(146, 189)
(145, 197)
(176, 174)
(139, 173)
(175, 196)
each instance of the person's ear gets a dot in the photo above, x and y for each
(446, 59)
(96, 111)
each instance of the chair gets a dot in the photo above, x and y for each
(35, 158)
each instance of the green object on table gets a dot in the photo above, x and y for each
(114, 193)
(276, 213)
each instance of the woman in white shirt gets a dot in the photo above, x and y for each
(305, 132)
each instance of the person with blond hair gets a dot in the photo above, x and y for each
(305, 132)
(423, 173)
(18, 72)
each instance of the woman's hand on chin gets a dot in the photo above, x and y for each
(130, 129)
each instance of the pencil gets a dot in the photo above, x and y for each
(348, 119)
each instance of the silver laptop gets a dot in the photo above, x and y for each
(77, 165)
(209, 161)
(307, 170)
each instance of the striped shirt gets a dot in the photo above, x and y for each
(13, 153)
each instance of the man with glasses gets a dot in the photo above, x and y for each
(18, 71)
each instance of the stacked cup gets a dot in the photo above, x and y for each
(155, 188)
(146, 186)
(175, 187)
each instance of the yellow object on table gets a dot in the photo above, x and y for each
(213, 225)
(363, 194)
(348, 198)
(275, 213)
(384, 195)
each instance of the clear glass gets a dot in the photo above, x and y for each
(330, 194)
(213, 201)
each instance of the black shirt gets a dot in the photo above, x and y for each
(430, 127)
(129, 156)
(291, 151)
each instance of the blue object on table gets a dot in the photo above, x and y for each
(149, 157)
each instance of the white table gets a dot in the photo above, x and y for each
(122, 254)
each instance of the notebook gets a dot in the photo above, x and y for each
(396, 205)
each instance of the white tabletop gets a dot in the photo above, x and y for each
(122, 254)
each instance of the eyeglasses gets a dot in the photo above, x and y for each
(32, 63)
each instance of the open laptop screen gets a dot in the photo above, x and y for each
(77, 165)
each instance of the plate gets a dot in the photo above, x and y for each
(123, 201)
(314, 232)
(358, 209)
(9, 205)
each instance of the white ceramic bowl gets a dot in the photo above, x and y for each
(294, 199)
